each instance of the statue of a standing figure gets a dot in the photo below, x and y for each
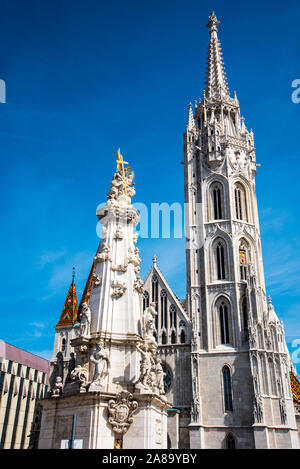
(147, 363)
(149, 323)
(159, 375)
(101, 361)
(85, 321)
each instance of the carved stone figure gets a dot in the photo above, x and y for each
(71, 366)
(57, 389)
(282, 408)
(85, 321)
(81, 374)
(121, 411)
(196, 409)
(258, 409)
(104, 254)
(97, 280)
(116, 187)
(119, 233)
(135, 237)
(119, 289)
(159, 374)
(149, 323)
(146, 366)
(101, 362)
(120, 267)
(138, 284)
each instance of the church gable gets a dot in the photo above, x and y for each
(69, 313)
(172, 323)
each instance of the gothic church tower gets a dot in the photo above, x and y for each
(240, 363)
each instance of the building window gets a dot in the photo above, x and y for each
(227, 388)
(217, 205)
(145, 300)
(163, 338)
(220, 260)
(224, 329)
(182, 337)
(245, 318)
(230, 441)
(173, 319)
(173, 337)
(164, 312)
(243, 264)
(240, 202)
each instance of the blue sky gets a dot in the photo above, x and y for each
(84, 78)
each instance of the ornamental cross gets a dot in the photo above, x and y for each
(120, 166)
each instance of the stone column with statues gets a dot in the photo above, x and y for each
(116, 380)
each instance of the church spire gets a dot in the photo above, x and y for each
(190, 122)
(216, 82)
(69, 313)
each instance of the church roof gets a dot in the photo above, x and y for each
(68, 315)
(87, 290)
(295, 385)
(179, 303)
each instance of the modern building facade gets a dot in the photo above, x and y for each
(23, 381)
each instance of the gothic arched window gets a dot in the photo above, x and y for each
(220, 259)
(217, 201)
(182, 337)
(163, 311)
(173, 337)
(227, 388)
(245, 318)
(164, 338)
(224, 323)
(173, 319)
(154, 288)
(229, 441)
(145, 300)
(63, 345)
(241, 212)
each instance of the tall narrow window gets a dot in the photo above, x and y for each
(230, 441)
(217, 202)
(145, 300)
(220, 261)
(155, 297)
(243, 264)
(182, 337)
(173, 321)
(163, 338)
(240, 202)
(224, 330)
(173, 337)
(227, 388)
(164, 313)
(245, 318)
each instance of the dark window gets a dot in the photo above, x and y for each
(223, 313)
(227, 388)
(230, 442)
(217, 202)
(182, 337)
(220, 261)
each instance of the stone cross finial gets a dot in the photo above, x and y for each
(154, 260)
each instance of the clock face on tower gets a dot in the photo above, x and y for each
(167, 378)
